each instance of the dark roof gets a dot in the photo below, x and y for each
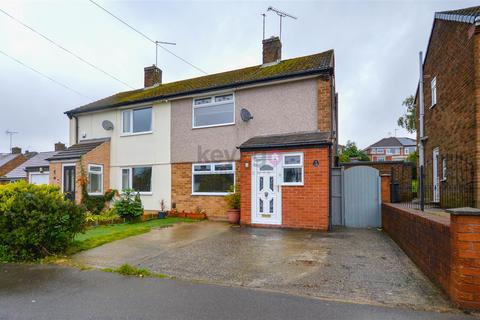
(7, 157)
(37, 160)
(467, 15)
(301, 66)
(77, 150)
(296, 139)
(393, 142)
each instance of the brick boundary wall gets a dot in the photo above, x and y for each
(446, 250)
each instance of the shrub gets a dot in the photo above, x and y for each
(129, 205)
(106, 216)
(36, 221)
(233, 198)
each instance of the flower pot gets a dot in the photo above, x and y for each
(233, 216)
(162, 214)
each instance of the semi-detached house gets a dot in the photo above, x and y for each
(269, 130)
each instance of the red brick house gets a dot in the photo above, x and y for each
(451, 92)
(391, 149)
(9, 161)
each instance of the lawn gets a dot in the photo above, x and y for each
(97, 236)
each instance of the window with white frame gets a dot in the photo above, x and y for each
(380, 158)
(393, 150)
(137, 178)
(95, 179)
(444, 169)
(137, 120)
(380, 150)
(434, 91)
(293, 169)
(409, 150)
(373, 151)
(213, 111)
(213, 178)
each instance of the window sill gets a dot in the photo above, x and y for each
(292, 184)
(135, 134)
(221, 194)
(95, 194)
(146, 193)
(215, 125)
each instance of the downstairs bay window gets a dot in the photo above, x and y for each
(138, 179)
(213, 178)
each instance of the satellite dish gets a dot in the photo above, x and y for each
(107, 125)
(245, 115)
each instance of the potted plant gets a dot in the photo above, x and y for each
(199, 214)
(233, 201)
(162, 213)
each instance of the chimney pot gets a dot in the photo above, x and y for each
(16, 150)
(272, 50)
(153, 76)
(59, 146)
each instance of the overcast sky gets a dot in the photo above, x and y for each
(376, 51)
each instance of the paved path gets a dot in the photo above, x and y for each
(363, 266)
(52, 292)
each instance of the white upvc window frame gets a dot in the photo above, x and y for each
(380, 159)
(212, 103)
(130, 179)
(373, 151)
(444, 169)
(296, 165)
(380, 150)
(97, 173)
(433, 87)
(131, 111)
(213, 171)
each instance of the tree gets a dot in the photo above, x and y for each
(351, 151)
(412, 157)
(408, 119)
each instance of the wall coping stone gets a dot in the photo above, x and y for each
(465, 211)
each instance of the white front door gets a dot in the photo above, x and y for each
(266, 191)
(436, 180)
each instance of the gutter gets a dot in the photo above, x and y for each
(328, 71)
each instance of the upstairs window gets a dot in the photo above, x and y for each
(434, 91)
(380, 150)
(95, 179)
(137, 120)
(213, 111)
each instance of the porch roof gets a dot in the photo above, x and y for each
(287, 140)
(77, 150)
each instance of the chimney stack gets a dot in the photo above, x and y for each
(153, 76)
(16, 150)
(272, 50)
(59, 146)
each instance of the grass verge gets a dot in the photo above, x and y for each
(128, 270)
(100, 235)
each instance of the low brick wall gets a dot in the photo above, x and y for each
(446, 250)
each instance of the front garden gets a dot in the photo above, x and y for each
(37, 222)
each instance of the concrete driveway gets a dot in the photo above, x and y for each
(363, 266)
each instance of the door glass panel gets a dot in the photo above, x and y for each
(271, 205)
(261, 205)
(271, 183)
(261, 184)
(266, 167)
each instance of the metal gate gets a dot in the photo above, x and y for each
(336, 197)
(362, 197)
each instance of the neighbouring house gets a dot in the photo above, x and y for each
(391, 149)
(9, 161)
(451, 90)
(35, 170)
(270, 131)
